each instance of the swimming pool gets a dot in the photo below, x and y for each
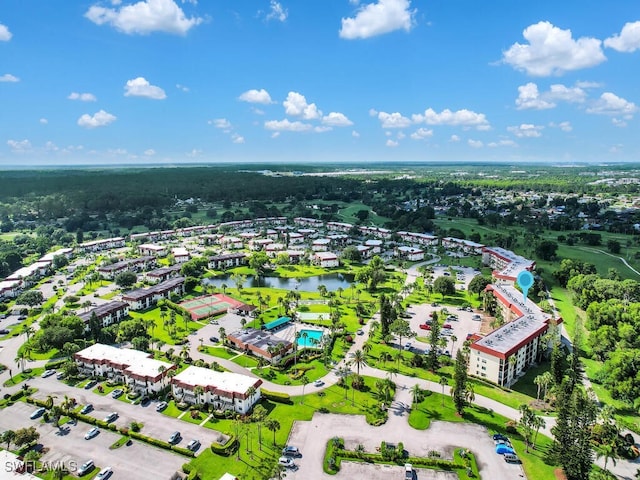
(306, 341)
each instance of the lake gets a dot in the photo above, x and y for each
(332, 281)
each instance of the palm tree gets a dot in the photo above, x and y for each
(28, 331)
(366, 347)
(295, 349)
(198, 391)
(469, 393)
(358, 360)
(416, 392)
(547, 379)
(223, 334)
(161, 370)
(8, 436)
(538, 381)
(273, 425)
(453, 339)
(304, 336)
(304, 381)
(443, 382)
(20, 358)
(538, 423)
(608, 450)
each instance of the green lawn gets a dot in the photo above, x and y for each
(160, 333)
(172, 410)
(435, 406)
(246, 361)
(313, 371)
(219, 352)
(22, 376)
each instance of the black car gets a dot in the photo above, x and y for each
(213, 339)
(4, 331)
(499, 436)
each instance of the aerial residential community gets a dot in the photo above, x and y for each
(291, 345)
(357, 239)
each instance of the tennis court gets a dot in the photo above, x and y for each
(209, 305)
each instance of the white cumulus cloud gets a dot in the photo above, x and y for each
(19, 146)
(140, 87)
(526, 130)
(286, 126)
(379, 18)
(277, 12)
(552, 51)
(475, 143)
(237, 138)
(502, 143)
(43, 121)
(564, 126)
(355, 134)
(98, 119)
(393, 120)
(150, 152)
(7, 77)
(336, 119)
(454, 138)
(83, 97)
(221, 123)
(144, 17)
(462, 117)
(421, 134)
(392, 143)
(611, 104)
(530, 98)
(256, 96)
(628, 40)
(296, 105)
(5, 34)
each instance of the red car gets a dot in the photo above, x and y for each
(425, 326)
(447, 326)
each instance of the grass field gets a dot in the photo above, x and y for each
(435, 406)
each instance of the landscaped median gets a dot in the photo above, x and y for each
(463, 462)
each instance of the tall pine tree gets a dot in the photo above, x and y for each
(460, 382)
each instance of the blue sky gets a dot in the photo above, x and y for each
(169, 81)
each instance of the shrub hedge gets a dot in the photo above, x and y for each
(276, 396)
(225, 449)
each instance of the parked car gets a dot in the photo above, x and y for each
(448, 326)
(48, 373)
(193, 445)
(161, 406)
(360, 332)
(499, 436)
(86, 467)
(104, 473)
(38, 413)
(90, 384)
(476, 317)
(291, 451)
(60, 375)
(511, 458)
(117, 393)
(174, 438)
(4, 331)
(425, 326)
(408, 471)
(318, 383)
(86, 409)
(286, 462)
(111, 417)
(213, 339)
(91, 433)
(407, 346)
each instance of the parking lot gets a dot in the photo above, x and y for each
(139, 461)
(311, 438)
(156, 424)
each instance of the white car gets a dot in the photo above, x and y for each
(86, 467)
(104, 473)
(91, 433)
(318, 383)
(48, 373)
(286, 462)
